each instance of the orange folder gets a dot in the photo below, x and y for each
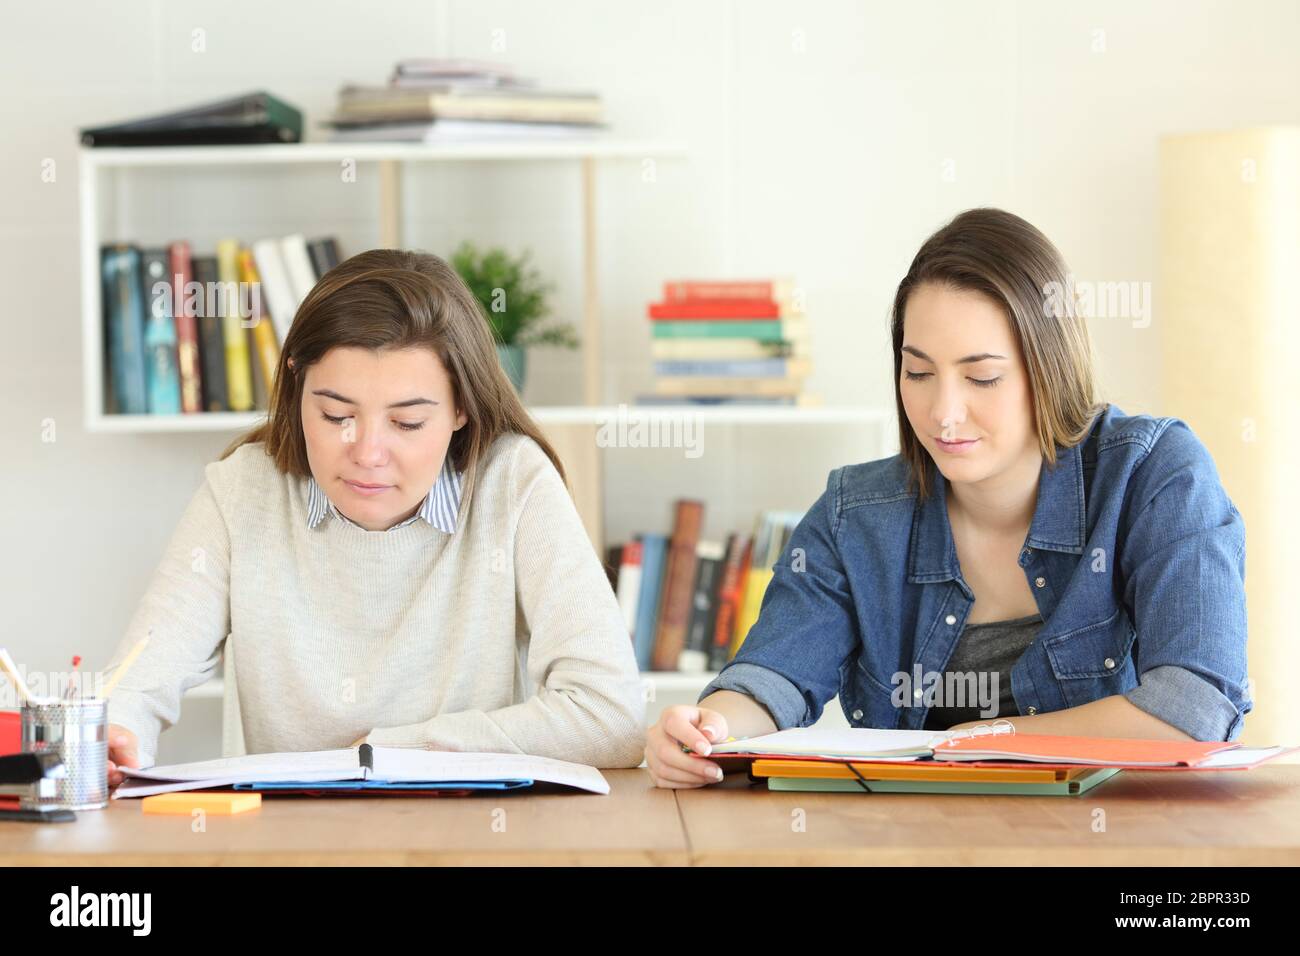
(1052, 750)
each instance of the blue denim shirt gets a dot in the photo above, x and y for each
(1135, 556)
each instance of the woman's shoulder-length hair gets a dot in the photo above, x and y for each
(1002, 256)
(389, 299)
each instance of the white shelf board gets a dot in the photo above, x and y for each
(546, 415)
(669, 681)
(595, 148)
(662, 680)
(719, 414)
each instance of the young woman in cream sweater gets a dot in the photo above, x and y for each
(393, 556)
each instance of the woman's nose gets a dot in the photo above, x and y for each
(368, 448)
(949, 411)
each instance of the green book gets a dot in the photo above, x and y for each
(1063, 788)
(763, 330)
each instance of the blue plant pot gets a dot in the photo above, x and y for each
(513, 359)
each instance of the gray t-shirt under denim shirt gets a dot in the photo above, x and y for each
(982, 649)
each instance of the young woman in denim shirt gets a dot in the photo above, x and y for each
(1096, 552)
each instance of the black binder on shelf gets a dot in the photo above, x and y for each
(252, 118)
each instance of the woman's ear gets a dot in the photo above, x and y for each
(461, 419)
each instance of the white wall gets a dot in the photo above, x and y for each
(819, 136)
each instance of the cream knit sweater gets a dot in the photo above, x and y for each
(502, 637)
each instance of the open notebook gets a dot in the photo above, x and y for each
(366, 768)
(997, 743)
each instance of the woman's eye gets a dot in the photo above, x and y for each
(981, 382)
(405, 426)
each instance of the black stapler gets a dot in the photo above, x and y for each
(31, 777)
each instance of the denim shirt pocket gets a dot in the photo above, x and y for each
(861, 693)
(1094, 661)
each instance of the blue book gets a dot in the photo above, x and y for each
(741, 368)
(654, 554)
(163, 373)
(124, 330)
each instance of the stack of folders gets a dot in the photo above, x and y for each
(988, 759)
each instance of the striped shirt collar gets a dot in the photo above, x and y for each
(439, 508)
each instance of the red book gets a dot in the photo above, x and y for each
(679, 585)
(733, 577)
(717, 309)
(187, 328)
(763, 289)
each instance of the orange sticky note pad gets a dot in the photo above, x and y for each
(226, 804)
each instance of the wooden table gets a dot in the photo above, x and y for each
(636, 824)
(1151, 818)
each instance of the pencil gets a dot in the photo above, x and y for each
(125, 665)
(7, 663)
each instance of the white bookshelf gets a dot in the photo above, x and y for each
(100, 170)
(661, 681)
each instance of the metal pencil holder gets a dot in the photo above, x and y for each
(77, 730)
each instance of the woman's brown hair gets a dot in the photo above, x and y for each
(1005, 258)
(390, 299)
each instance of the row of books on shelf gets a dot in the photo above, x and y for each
(689, 602)
(729, 342)
(187, 333)
(441, 100)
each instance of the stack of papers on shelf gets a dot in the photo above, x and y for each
(437, 101)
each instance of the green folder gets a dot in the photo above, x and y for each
(1062, 788)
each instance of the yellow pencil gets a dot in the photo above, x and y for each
(125, 665)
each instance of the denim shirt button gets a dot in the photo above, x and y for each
(1110, 663)
(1040, 582)
(1031, 711)
(857, 715)
(917, 693)
(950, 620)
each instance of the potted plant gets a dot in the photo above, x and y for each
(514, 296)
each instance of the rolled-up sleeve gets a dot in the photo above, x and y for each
(1184, 568)
(1190, 703)
(790, 659)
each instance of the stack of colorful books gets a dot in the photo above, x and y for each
(689, 603)
(729, 342)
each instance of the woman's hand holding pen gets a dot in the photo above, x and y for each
(677, 745)
(123, 750)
